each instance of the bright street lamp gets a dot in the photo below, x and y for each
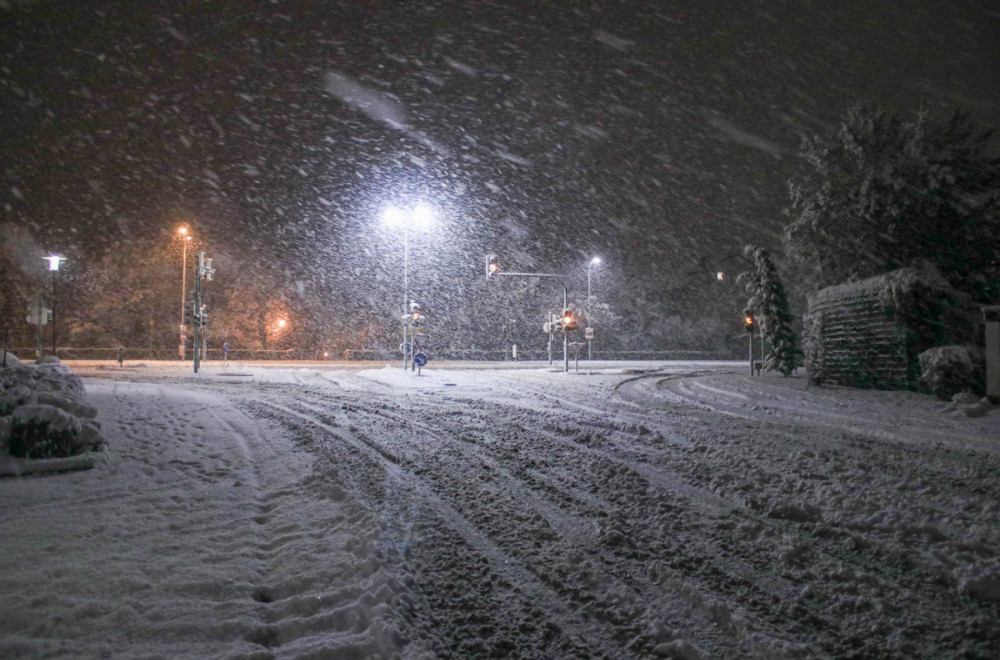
(420, 216)
(54, 262)
(593, 262)
(185, 238)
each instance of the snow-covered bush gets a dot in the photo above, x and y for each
(42, 431)
(42, 414)
(946, 370)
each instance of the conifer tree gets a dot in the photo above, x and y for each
(769, 302)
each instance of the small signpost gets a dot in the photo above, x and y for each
(576, 347)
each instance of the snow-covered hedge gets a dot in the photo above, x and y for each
(946, 370)
(42, 412)
(870, 333)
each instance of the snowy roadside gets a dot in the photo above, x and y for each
(671, 510)
(194, 521)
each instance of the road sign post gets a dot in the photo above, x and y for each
(420, 359)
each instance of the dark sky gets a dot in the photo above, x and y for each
(655, 133)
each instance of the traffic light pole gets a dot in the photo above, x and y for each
(565, 305)
(197, 325)
(202, 271)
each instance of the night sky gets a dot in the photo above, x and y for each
(660, 135)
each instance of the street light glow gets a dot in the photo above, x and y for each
(595, 261)
(54, 261)
(394, 217)
(420, 216)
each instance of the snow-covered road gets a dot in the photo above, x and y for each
(674, 510)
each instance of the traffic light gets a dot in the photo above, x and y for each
(568, 321)
(190, 318)
(748, 321)
(492, 267)
(203, 317)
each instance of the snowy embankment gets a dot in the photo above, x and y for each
(670, 510)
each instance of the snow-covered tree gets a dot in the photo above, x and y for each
(884, 193)
(770, 304)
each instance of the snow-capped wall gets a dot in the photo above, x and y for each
(869, 333)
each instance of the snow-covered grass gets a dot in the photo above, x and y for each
(677, 510)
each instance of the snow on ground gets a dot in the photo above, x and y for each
(678, 510)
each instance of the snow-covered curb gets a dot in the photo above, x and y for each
(45, 425)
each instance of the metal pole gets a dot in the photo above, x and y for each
(54, 312)
(991, 317)
(761, 352)
(589, 266)
(565, 334)
(197, 326)
(552, 320)
(180, 328)
(41, 295)
(406, 286)
(751, 350)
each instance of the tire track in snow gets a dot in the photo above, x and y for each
(506, 567)
(685, 594)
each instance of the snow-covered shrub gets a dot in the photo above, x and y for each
(43, 431)
(946, 370)
(18, 394)
(980, 582)
(42, 414)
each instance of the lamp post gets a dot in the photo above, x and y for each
(54, 263)
(419, 217)
(185, 237)
(593, 262)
